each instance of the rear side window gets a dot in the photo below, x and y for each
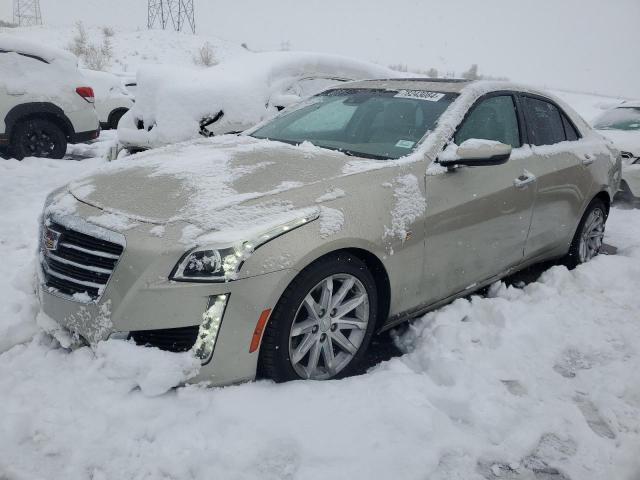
(569, 130)
(545, 124)
(493, 118)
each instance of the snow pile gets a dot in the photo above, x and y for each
(409, 205)
(24, 187)
(512, 385)
(172, 103)
(331, 221)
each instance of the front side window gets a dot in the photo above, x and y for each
(544, 122)
(494, 118)
(622, 118)
(371, 123)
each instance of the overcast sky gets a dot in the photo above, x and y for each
(586, 45)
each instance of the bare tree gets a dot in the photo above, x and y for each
(95, 57)
(206, 56)
(432, 72)
(472, 73)
(78, 45)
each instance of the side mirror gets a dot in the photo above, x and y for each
(475, 152)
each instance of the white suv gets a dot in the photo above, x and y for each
(44, 101)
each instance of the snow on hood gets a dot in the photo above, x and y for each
(223, 184)
(176, 101)
(625, 141)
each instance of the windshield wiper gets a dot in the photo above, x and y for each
(354, 153)
(350, 153)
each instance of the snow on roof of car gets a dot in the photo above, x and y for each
(175, 100)
(629, 104)
(35, 49)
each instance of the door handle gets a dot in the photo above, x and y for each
(523, 180)
(587, 159)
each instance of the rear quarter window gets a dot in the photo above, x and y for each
(545, 124)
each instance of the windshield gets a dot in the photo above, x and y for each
(621, 118)
(371, 123)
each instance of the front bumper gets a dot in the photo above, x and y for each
(139, 297)
(175, 305)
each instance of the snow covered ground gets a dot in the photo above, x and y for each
(132, 49)
(533, 382)
(538, 381)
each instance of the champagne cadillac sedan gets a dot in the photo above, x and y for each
(280, 252)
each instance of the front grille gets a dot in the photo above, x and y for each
(169, 339)
(78, 263)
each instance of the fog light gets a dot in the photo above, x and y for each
(209, 328)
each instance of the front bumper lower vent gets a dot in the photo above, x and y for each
(169, 339)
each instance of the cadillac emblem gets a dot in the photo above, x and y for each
(50, 238)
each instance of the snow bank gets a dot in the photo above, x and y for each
(542, 378)
(535, 379)
(24, 187)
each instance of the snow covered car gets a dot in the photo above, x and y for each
(280, 252)
(622, 125)
(177, 105)
(112, 100)
(44, 101)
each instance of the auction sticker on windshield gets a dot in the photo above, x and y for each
(420, 94)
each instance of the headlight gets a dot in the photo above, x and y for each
(205, 264)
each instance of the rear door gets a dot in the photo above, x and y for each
(478, 218)
(560, 165)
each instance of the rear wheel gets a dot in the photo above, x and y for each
(38, 138)
(323, 323)
(588, 239)
(114, 118)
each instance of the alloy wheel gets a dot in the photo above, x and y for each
(38, 142)
(329, 327)
(592, 235)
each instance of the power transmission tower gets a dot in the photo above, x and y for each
(27, 12)
(172, 13)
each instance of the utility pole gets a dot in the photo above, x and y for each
(171, 13)
(27, 13)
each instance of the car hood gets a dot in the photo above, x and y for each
(216, 184)
(625, 141)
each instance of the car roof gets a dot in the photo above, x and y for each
(443, 85)
(39, 51)
(629, 104)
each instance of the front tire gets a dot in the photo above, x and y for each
(323, 323)
(589, 236)
(38, 137)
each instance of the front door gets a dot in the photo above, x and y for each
(478, 218)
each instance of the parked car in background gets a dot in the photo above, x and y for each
(622, 125)
(112, 99)
(177, 105)
(44, 101)
(280, 252)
